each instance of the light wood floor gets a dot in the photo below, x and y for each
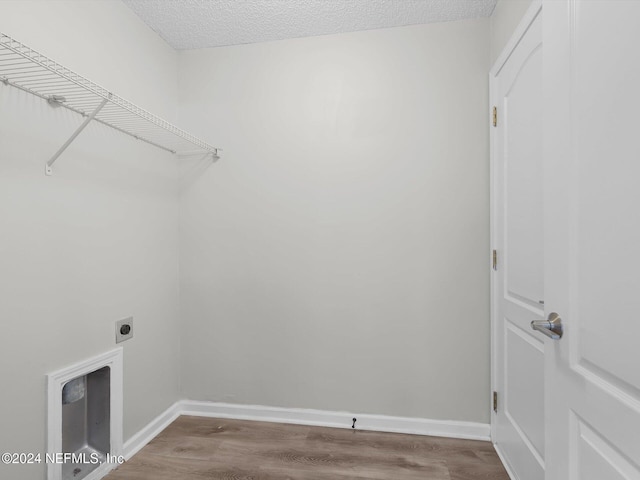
(197, 448)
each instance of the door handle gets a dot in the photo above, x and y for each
(552, 327)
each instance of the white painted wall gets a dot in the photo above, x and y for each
(96, 242)
(337, 256)
(504, 20)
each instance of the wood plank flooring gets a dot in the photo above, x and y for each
(197, 448)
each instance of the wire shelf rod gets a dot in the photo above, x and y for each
(78, 97)
(51, 81)
(78, 101)
(150, 142)
(27, 76)
(121, 118)
(53, 85)
(7, 82)
(5, 64)
(27, 67)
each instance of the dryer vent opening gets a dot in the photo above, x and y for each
(86, 422)
(84, 418)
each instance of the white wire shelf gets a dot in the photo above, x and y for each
(24, 68)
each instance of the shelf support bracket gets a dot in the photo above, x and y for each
(49, 164)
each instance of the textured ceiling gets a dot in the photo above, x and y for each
(187, 24)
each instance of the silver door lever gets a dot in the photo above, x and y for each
(552, 327)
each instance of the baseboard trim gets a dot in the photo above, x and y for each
(101, 471)
(303, 416)
(324, 418)
(151, 430)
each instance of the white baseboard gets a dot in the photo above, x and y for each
(301, 416)
(101, 471)
(153, 428)
(324, 418)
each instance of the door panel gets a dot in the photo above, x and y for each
(595, 458)
(592, 238)
(524, 400)
(607, 233)
(522, 115)
(518, 283)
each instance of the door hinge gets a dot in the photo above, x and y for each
(495, 260)
(495, 402)
(495, 116)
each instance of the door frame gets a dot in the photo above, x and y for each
(528, 18)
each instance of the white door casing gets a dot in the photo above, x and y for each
(517, 236)
(592, 238)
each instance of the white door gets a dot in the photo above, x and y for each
(518, 281)
(592, 238)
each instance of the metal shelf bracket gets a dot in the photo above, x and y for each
(47, 168)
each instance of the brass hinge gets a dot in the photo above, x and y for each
(495, 260)
(495, 402)
(495, 116)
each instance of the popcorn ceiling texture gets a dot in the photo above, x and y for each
(190, 24)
